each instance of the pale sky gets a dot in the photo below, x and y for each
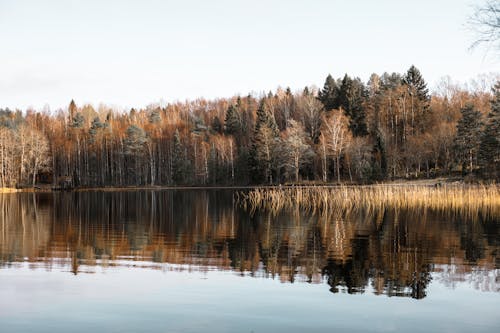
(133, 53)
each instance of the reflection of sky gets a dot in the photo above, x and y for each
(132, 300)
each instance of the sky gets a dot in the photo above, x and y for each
(132, 53)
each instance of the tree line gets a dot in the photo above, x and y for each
(348, 131)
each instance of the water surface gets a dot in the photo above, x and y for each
(191, 261)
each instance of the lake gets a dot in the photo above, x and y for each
(193, 261)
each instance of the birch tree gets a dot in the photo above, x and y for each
(335, 137)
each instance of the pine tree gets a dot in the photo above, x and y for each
(419, 99)
(94, 128)
(179, 161)
(135, 141)
(265, 142)
(135, 147)
(154, 117)
(306, 91)
(489, 147)
(379, 157)
(232, 124)
(329, 94)
(265, 118)
(72, 109)
(77, 121)
(351, 97)
(216, 125)
(414, 80)
(467, 139)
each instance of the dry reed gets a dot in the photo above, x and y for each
(462, 199)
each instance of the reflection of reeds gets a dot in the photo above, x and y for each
(463, 199)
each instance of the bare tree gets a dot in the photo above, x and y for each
(335, 136)
(485, 23)
(38, 154)
(310, 110)
(298, 149)
(23, 141)
(7, 143)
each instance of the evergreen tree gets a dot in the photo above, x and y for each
(418, 98)
(415, 82)
(135, 141)
(351, 97)
(77, 121)
(329, 94)
(154, 116)
(135, 147)
(489, 148)
(94, 128)
(467, 139)
(179, 161)
(379, 157)
(265, 118)
(264, 145)
(306, 91)
(72, 109)
(216, 125)
(232, 124)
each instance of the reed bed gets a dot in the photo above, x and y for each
(8, 190)
(471, 200)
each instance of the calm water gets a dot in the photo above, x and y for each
(190, 261)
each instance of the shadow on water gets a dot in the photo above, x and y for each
(391, 252)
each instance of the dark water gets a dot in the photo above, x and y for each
(190, 261)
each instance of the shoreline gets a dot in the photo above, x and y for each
(396, 183)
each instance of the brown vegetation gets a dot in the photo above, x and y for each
(389, 128)
(464, 199)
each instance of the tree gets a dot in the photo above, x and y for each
(351, 98)
(485, 23)
(179, 161)
(7, 162)
(329, 94)
(72, 109)
(310, 111)
(335, 137)
(232, 122)
(135, 141)
(265, 118)
(489, 147)
(94, 129)
(38, 154)
(77, 121)
(379, 157)
(360, 158)
(154, 116)
(415, 82)
(299, 152)
(23, 140)
(265, 145)
(135, 148)
(468, 135)
(418, 97)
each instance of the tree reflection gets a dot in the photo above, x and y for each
(390, 252)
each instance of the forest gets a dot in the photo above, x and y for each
(348, 131)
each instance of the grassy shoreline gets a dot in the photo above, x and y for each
(437, 182)
(461, 198)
